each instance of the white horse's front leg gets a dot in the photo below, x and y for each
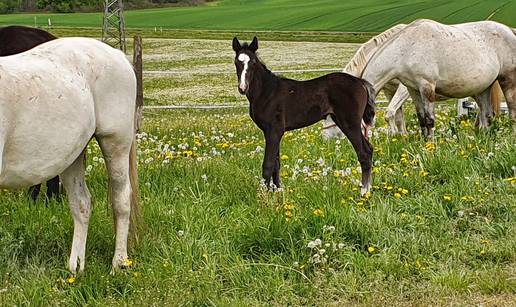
(485, 109)
(420, 110)
(395, 104)
(330, 129)
(80, 205)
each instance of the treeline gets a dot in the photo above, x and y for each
(70, 6)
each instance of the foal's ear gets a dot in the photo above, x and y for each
(236, 45)
(254, 45)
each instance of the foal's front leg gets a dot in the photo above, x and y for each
(270, 166)
(276, 172)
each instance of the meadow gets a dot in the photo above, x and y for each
(438, 227)
(291, 15)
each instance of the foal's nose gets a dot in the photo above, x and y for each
(242, 87)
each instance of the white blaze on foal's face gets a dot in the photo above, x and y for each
(244, 58)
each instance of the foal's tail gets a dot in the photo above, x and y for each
(369, 112)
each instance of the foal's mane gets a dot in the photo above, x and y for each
(359, 61)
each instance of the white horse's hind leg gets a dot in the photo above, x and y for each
(485, 111)
(509, 90)
(400, 121)
(396, 101)
(80, 205)
(116, 153)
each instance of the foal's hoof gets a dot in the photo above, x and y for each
(364, 190)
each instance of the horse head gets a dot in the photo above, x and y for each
(245, 62)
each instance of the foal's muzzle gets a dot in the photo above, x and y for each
(242, 89)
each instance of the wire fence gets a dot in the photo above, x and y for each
(227, 72)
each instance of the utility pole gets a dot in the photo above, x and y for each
(113, 30)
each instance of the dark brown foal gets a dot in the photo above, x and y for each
(279, 104)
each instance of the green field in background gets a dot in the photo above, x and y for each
(290, 15)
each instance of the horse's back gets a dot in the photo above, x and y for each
(17, 39)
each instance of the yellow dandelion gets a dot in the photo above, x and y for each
(430, 147)
(288, 206)
(423, 173)
(404, 191)
(447, 197)
(482, 252)
(127, 263)
(284, 157)
(71, 280)
(397, 195)
(318, 212)
(371, 249)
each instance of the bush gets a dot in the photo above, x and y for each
(8, 6)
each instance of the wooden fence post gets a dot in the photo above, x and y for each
(138, 69)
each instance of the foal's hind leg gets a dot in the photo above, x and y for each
(53, 188)
(362, 147)
(116, 154)
(80, 205)
(34, 191)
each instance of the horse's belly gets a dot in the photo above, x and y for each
(464, 86)
(43, 141)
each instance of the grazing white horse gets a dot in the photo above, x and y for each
(53, 100)
(456, 61)
(395, 92)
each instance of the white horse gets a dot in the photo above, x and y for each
(53, 100)
(395, 92)
(456, 61)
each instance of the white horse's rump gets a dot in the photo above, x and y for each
(53, 100)
(454, 61)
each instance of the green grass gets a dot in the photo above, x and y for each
(291, 15)
(224, 240)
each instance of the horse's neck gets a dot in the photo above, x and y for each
(263, 83)
(368, 49)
